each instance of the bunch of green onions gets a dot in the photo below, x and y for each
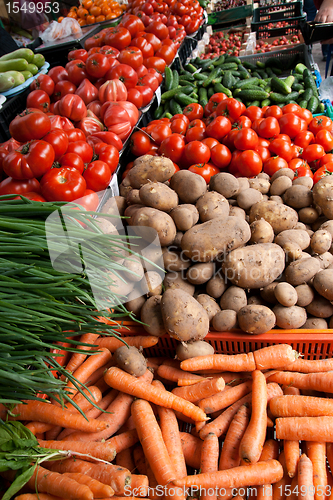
(40, 304)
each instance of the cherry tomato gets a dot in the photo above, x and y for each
(98, 175)
(206, 170)
(62, 184)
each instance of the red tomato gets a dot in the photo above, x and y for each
(97, 65)
(253, 112)
(158, 29)
(263, 153)
(213, 102)
(291, 108)
(134, 96)
(313, 152)
(28, 126)
(303, 171)
(133, 24)
(160, 132)
(242, 122)
(73, 107)
(31, 196)
(290, 124)
(296, 150)
(156, 63)
(246, 138)
(193, 111)
(132, 111)
(58, 140)
(75, 135)
(112, 90)
(218, 128)
(279, 147)
(76, 72)
(150, 81)
(43, 82)
(328, 158)
(230, 108)
(63, 88)
(87, 91)
(167, 53)
(268, 128)
(110, 155)
(89, 125)
(210, 142)
(97, 175)
(182, 117)
(295, 163)
(206, 170)
(325, 139)
(72, 160)
(173, 147)
(78, 54)
(109, 51)
(57, 74)
(117, 120)
(94, 41)
(62, 184)
(29, 161)
(263, 142)
(178, 126)
(118, 37)
(196, 133)
(323, 171)
(220, 156)
(82, 149)
(89, 200)
(140, 143)
(196, 152)
(146, 48)
(158, 75)
(304, 138)
(146, 92)
(274, 111)
(305, 114)
(107, 138)
(274, 164)
(14, 186)
(125, 74)
(132, 56)
(153, 40)
(249, 163)
(141, 71)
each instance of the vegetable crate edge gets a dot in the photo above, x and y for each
(312, 344)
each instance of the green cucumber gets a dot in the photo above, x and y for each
(227, 66)
(175, 79)
(253, 95)
(38, 60)
(247, 83)
(265, 102)
(260, 65)
(234, 72)
(270, 72)
(249, 65)
(274, 62)
(262, 73)
(217, 80)
(300, 68)
(280, 86)
(185, 83)
(175, 107)
(320, 108)
(254, 103)
(186, 75)
(179, 90)
(244, 75)
(33, 68)
(256, 74)
(211, 91)
(203, 96)
(297, 86)
(14, 65)
(190, 68)
(228, 80)
(184, 99)
(276, 71)
(220, 88)
(219, 61)
(200, 77)
(26, 74)
(307, 94)
(7, 82)
(312, 104)
(168, 78)
(303, 103)
(233, 59)
(159, 112)
(215, 73)
(289, 80)
(26, 54)
(279, 98)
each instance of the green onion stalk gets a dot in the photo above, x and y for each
(57, 275)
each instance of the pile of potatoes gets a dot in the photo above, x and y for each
(249, 254)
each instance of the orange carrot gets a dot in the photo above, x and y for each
(292, 454)
(78, 358)
(305, 428)
(118, 379)
(305, 478)
(220, 425)
(301, 406)
(89, 366)
(138, 341)
(99, 374)
(230, 450)
(201, 390)
(317, 454)
(245, 475)
(38, 427)
(99, 489)
(124, 459)
(310, 365)
(151, 439)
(140, 485)
(122, 441)
(191, 447)
(113, 475)
(274, 356)
(270, 451)
(46, 481)
(172, 374)
(280, 488)
(93, 412)
(290, 391)
(103, 451)
(225, 398)
(253, 439)
(322, 382)
(101, 384)
(139, 460)
(170, 433)
(270, 422)
(294, 489)
(36, 496)
(51, 414)
(209, 460)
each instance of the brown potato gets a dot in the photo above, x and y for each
(148, 169)
(279, 216)
(292, 250)
(327, 225)
(298, 236)
(322, 195)
(135, 270)
(206, 242)
(198, 274)
(209, 304)
(248, 197)
(256, 319)
(175, 281)
(305, 295)
(155, 219)
(243, 183)
(130, 360)
(262, 185)
(261, 232)
(254, 266)
(321, 241)
(125, 187)
(301, 271)
(151, 283)
(323, 283)
(275, 198)
(283, 172)
(225, 184)
(119, 286)
(320, 307)
(225, 321)
(280, 185)
(286, 294)
(135, 304)
(237, 212)
(151, 316)
(216, 286)
(289, 317)
(115, 205)
(178, 239)
(325, 259)
(308, 215)
(304, 181)
(315, 324)
(188, 186)
(185, 216)
(187, 350)
(255, 300)
(174, 261)
(133, 197)
(267, 293)
(211, 205)
(234, 298)
(184, 318)
(158, 195)
(298, 196)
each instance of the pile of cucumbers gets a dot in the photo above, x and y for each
(18, 66)
(258, 84)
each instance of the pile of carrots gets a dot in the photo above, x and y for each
(132, 442)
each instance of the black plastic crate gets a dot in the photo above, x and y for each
(263, 31)
(12, 107)
(278, 12)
